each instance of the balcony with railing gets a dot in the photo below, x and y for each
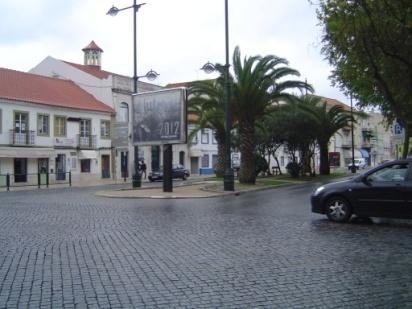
(86, 142)
(18, 138)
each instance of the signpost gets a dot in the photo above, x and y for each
(159, 118)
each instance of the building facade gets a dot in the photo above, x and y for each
(115, 91)
(51, 127)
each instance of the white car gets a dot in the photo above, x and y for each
(359, 163)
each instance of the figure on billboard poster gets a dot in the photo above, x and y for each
(159, 117)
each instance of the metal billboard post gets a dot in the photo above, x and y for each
(159, 118)
(167, 168)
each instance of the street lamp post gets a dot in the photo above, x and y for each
(228, 180)
(353, 167)
(151, 75)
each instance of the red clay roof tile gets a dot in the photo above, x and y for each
(27, 87)
(91, 69)
(92, 46)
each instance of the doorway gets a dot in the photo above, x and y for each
(124, 159)
(20, 169)
(61, 167)
(43, 169)
(105, 166)
(194, 165)
(182, 158)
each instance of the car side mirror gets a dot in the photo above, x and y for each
(366, 181)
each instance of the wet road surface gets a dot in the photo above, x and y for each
(68, 248)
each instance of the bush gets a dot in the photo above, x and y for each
(293, 169)
(261, 165)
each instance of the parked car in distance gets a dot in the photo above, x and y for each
(385, 191)
(178, 171)
(359, 163)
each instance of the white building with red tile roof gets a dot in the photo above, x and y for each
(52, 127)
(112, 89)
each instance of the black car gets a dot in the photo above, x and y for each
(178, 171)
(385, 191)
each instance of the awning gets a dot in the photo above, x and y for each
(364, 153)
(26, 152)
(87, 154)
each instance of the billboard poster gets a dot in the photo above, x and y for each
(159, 117)
(334, 159)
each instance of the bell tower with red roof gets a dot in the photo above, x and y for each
(93, 55)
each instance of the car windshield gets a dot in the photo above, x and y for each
(396, 172)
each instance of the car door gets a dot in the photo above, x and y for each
(408, 193)
(382, 192)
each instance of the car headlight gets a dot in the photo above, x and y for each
(319, 190)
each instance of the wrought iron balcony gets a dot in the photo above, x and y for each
(86, 142)
(18, 138)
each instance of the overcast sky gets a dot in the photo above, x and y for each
(175, 38)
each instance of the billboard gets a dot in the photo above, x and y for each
(159, 117)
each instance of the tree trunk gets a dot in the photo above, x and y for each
(277, 162)
(406, 142)
(247, 150)
(324, 159)
(269, 155)
(221, 147)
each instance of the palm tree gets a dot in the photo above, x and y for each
(258, 83)
(206, 102)
(328, 121)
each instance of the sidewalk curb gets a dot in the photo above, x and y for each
(208, 193)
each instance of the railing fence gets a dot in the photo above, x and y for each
(35, 179)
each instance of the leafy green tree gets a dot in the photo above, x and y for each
(269, 138)
(206, 102)
(326, 121)
(298, 133)
(258, 84)
(369, 43)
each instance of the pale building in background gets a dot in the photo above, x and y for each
(114, 90)
(50, 127)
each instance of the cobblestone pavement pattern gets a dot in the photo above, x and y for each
(67, 248)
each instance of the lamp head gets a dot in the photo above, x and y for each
(208, 68)
(152, 75)
(113, 11)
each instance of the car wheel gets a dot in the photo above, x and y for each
(338, 209)
(184, 177)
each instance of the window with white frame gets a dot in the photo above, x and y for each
(205, 160)
(74, 163)
(214, 141)
(85, 127)
(105, 129)
(85, 166)
(194, 140)
(205, 136)
(43, 125)
(1, 121)
(123, 114)
(59, 126)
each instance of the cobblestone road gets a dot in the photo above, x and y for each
(67, 248)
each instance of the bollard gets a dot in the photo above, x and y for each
(8, 181)
(137, 180)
